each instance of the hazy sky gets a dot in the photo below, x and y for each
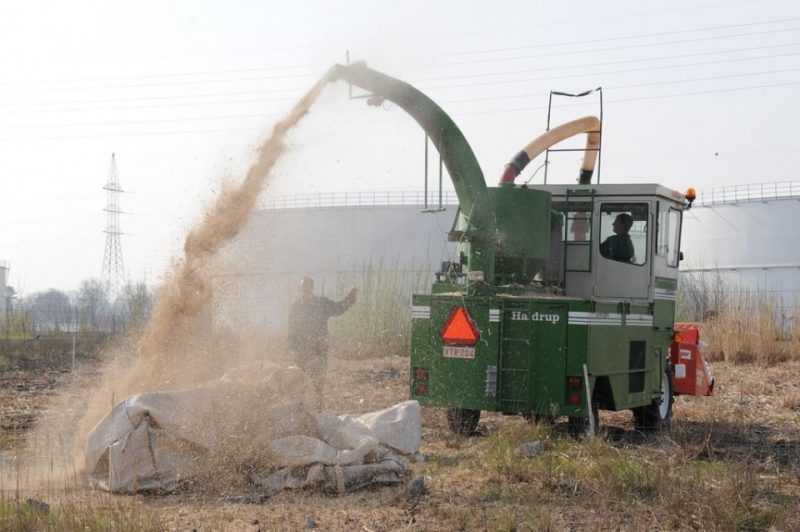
(697, 94)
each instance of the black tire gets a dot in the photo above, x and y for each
(462, 420)
(579, 426)
(539, 419)
(656, 416)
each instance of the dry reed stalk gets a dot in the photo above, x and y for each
(748, 327)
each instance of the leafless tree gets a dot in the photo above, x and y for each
(51, 310)
(93, 305)
(134, 305)
(702, 295)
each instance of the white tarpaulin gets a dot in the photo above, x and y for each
(259, 414)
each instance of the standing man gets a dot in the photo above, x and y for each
(308, 331)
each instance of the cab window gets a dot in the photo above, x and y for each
(576, 234)
(578, 224)
(623, 232)
(669, 235)
(674, 237)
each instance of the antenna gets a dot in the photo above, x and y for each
(113, 268)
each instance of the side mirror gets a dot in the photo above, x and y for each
(680, 256)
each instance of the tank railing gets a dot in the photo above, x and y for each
(401, 198)
(714, 196)
(749, 192)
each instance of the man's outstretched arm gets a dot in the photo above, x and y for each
(336, 308)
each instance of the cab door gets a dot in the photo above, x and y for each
(622, 250)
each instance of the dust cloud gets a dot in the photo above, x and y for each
(177, 348)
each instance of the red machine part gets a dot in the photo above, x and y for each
(692, 376)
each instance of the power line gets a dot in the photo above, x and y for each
(165, 75)
(372, 121)
(507, 28)
(472, 52)
(644, 69)
(18, 221)
(136, 134)
(613, 48)
(434, 65)
(151, 121)
(59, 198)
(709, 78)
(650, 97)
(29, 242)
(633, 85)
(481, 75)
(498, 82)
(624, 61)
(715, 91)
(327, 46)
(466, 100)
(293, 90)
(165, 84)
(610, 39)
(152, 106)
(417, 80)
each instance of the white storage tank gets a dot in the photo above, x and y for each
(337, 239)
(747, 237)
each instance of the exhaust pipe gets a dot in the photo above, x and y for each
(588, 124)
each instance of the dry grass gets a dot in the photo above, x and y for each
(791, 401)
(738, 324)
(76, 514)
(755, 336)
(380, 321)
(729, 462)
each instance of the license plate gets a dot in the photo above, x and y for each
(450, 351)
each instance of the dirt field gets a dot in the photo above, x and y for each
(24, 392)
(728, 462)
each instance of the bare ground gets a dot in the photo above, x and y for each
(731, 461)
(25, 392)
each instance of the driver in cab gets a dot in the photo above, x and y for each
(619, 246)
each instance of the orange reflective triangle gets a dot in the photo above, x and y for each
(459, 328)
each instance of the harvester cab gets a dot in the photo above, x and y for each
(561, 299)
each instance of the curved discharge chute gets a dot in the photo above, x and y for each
(456, 153)
(588, 124)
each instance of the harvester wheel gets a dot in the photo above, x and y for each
(541, 419)
(657, 415)
(462, 420)
(579, 426)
